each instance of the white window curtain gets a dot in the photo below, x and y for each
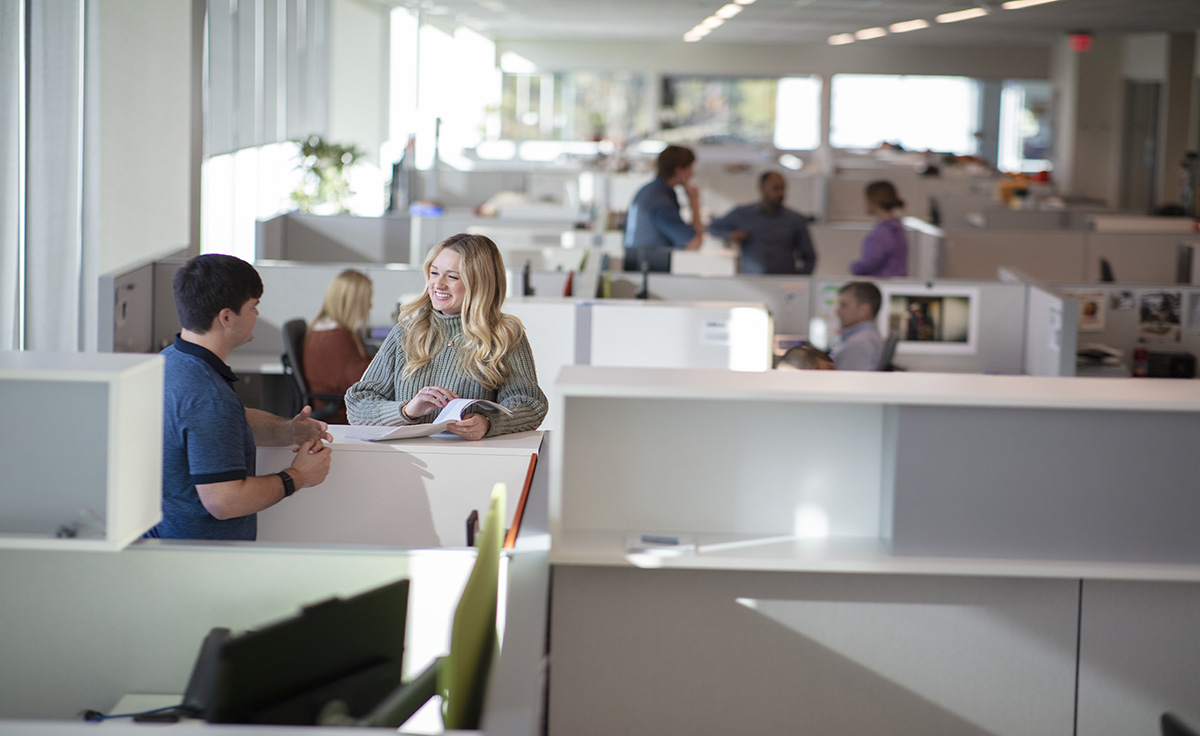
(12, 49)
(41, 254)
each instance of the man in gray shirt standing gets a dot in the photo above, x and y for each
(771, 237)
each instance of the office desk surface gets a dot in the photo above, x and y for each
(410, 493)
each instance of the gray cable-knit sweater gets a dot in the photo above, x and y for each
(377, 398)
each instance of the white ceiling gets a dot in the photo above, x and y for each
(810, 21)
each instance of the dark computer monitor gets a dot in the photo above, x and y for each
(348, 650)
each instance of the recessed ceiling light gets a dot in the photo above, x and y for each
(961, 15)
(1018, 4)
(908, 25)
(691, 37)
(711, 22)
(841, 39)
(868, 33)
(744, 2)
(728, 11)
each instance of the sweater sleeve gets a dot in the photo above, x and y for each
(373, 399)
(519, 393)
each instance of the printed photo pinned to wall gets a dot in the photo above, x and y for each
(1121, 301)
(938, 321)
(1159, 315)
(1093, 308)
(1193, 324)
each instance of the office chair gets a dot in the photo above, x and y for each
(293, 367)
(889, 352)
(1106, 272)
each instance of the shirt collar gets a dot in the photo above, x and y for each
(848, 331)
(208, 356)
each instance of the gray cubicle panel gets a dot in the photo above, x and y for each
(125, 314)
(787, 298)
(296, 236)
(1135, 258)
(81, 629)
(1000, 325)
(1049, 255)
(1139, 656)
(292, 290)
(1118, 323)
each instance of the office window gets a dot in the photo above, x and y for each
(798, 113)
(718, 111)
(1026, 126)
(784, 113)
(572, 106)
(917, 113)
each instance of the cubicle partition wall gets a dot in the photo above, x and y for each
(1051, 321)
(979, 326)
(1064, 256)
(1165, 317)
(296, 236)
(937, 551)
(128, 320)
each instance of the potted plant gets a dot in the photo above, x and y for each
(324, 187)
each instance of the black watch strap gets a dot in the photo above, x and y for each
(289, 485)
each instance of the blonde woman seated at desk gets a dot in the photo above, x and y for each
(453, 342)
(334, 354)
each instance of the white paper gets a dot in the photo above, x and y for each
(451, 412)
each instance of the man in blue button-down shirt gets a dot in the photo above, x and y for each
(653, 227)
(771, 238)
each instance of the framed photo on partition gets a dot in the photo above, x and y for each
(1160, 316)
(936, 320)
(1093, 309)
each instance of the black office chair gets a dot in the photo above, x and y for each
(293, 367)
(1171, 725)
(889, 352)
(1106, 272)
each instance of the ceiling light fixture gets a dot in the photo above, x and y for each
(1018, 4)
(728, 11)
(711, 22)
(908, 25)
(744, 2)
(841, 39)
(867, 34)
(961, 15)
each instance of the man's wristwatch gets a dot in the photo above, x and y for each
(289, 485)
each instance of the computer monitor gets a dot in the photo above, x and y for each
(337, 650)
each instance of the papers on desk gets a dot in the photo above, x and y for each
(452, 412)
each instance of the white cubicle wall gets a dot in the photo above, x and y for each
(779, 602)
(1051, 322)
(83, 466)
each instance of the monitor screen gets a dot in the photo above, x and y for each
(350, 650)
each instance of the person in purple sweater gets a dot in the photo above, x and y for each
(885, 249)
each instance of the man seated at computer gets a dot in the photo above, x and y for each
(654, 227)
(210, 490)
(860, 346)
(770, 237)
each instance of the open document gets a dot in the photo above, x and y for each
(451, 412)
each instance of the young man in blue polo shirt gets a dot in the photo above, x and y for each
(210, 490)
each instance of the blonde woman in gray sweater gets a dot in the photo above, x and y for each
(453, 342)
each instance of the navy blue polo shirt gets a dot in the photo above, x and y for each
(206, 439)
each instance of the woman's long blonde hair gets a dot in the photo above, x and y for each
(488, 335)
(348, 302)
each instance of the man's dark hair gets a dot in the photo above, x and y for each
(207, 284)
(762, 178)
(804, 357)
(674, 158)
(864, 292)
